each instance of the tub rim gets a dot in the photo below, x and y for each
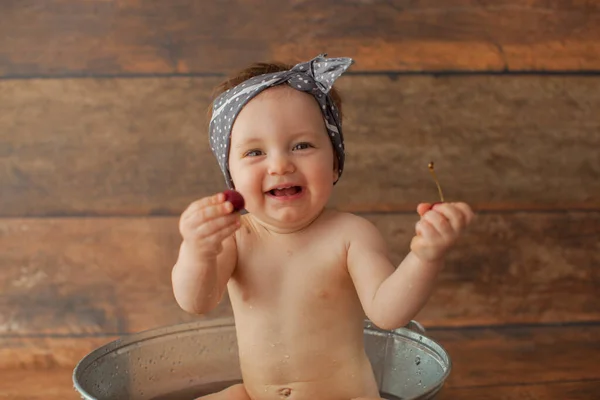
(413, 331)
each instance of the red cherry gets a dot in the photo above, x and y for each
(235, 198)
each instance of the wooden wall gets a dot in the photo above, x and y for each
(103, 144)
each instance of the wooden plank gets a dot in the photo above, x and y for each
(490, 364)
(521, 355)
(106, 275)
(53, 384)
(67, 37)
(46, 353)
(89, 275)
(586, 390)
(139, 146)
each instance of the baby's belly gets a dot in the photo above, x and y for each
(295, 381)
(306, 368)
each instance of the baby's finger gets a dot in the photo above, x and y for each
(454, 215)
(203, 202)
(211, 212)
(227, 231)
(423, 208)
(216, 225)
(439, 222)
(466, 211)
(218, 236)
(426, 230)
(203, 216)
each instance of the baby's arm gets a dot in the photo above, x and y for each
(207, 255)
(390, 296)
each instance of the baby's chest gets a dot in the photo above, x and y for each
(315, 272)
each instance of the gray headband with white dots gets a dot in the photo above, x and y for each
(315, 77)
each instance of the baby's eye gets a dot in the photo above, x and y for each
(252, 153)
(302, 146)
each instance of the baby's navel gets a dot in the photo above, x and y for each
(285, 392)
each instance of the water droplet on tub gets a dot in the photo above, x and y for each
(417, 360)
(287, 356)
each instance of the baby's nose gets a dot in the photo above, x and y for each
(280, 164)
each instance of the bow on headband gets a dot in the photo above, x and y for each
(315, 77)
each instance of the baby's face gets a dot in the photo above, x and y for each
(281, 158)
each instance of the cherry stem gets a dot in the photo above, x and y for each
(436, 181)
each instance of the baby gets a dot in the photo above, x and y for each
(301, 277)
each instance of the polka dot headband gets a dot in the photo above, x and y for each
(315, 77)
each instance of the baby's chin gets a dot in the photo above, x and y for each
(288, 221)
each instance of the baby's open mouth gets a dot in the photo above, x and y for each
(287, 191)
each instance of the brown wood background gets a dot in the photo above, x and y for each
(103, 144)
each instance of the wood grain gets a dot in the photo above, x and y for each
(53, 384)
(46, 353)
(74, 276)
(77, 276)
(509, 356)
(69, 37)
(139, 146)
(578, 390)
(497, 363)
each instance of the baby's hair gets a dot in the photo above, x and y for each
(260, 69)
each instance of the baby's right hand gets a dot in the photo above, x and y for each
(207, 222)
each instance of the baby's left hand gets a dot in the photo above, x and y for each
(439, 228)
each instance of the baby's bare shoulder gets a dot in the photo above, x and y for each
(353, 227)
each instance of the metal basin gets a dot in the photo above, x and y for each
(190, 360)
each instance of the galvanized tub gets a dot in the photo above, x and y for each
(190, 360)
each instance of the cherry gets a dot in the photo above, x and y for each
(235, 198)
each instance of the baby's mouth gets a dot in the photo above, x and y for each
(285, 192)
